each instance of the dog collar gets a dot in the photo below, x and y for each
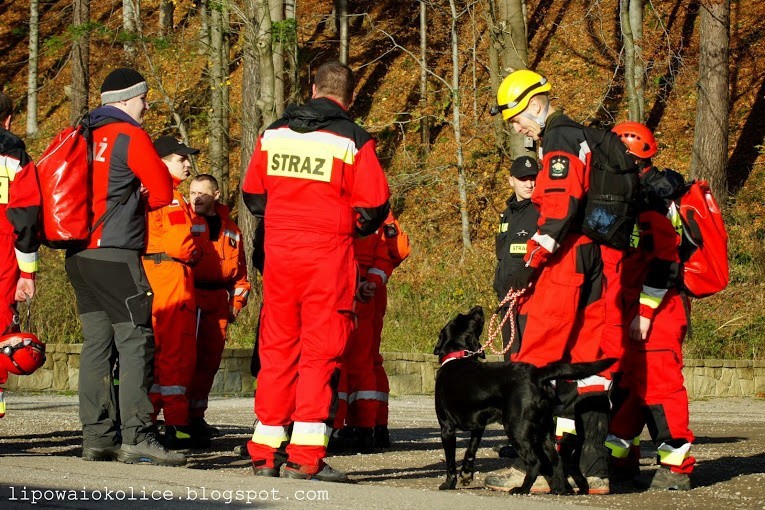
(452, 356)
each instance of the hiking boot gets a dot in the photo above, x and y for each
(512, 477)
(667, 480)
(179, 438)
(325, 474)
(382, 437)
(260, 468)
(150, 451)
(201, 427)
(100, 454)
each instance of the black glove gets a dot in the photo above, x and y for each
(520, 278)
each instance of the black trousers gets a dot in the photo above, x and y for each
(114, 301)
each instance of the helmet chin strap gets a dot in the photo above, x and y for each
(539, 120)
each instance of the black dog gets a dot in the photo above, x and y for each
(471, 394)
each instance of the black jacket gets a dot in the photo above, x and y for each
(518, 224)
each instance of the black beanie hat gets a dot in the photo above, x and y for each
(122, 84)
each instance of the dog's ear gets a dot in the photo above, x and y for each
(441, 339)
(477, 322)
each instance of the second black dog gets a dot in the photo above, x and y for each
(471, 394)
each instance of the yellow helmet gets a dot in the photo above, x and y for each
(515, 91)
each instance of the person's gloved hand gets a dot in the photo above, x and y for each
(521, 278)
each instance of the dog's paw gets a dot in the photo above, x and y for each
(448, 485)
(519, 490)
(466, 478)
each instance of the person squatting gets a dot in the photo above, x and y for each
(178, 278)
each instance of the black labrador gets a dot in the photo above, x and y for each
(471, 394)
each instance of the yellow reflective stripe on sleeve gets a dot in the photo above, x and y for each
(620, 448)
(519, 248)
(28, 262)
(310, 434)
(650, 301)
(270, 435)
(673, 456)
(564, 426)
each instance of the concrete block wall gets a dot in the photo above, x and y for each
(409, 374)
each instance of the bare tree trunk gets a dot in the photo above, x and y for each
(710, 140)
(278, 26)
(34, 33)
(131, 26)
(292, 51)
(636, 23)
(341, 22)
(629, 60)
(218, 77)
(166, 12)
(266, 63)
(80, 60)
(495, 74)
(425, 120)
(461, 181)
(514, 55)
(251, 118)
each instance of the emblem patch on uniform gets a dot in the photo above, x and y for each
(232, 242)
(559, 167)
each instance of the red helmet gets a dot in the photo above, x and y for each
(637, 137)
(22, 353)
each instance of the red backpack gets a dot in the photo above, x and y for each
(63, 172)
(704, 250)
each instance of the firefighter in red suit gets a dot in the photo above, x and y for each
(19, 227)
(653, 359)
(564, 314)
(397, 242)
(363, 388)
(316, 181)
(170, 253)
(221, 289)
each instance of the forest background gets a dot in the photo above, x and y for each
(446, 158)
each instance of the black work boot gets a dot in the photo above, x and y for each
(382, 437)
(364, 440)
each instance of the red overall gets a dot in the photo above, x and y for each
(563, 318)
(19, 223)
(316, 186)
(169, 252)
(220, 280)
(358, 379)
(653, 379)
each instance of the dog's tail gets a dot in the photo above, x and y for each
(573, 370)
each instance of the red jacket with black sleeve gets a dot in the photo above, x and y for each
(124, 158)
(315, 169)
(661, 233)
(19, 201)
(561, 187)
